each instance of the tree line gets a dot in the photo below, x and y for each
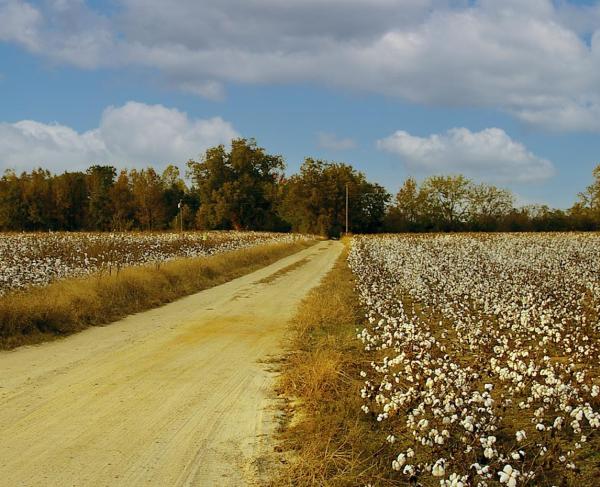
(244, 188)
(455, 203)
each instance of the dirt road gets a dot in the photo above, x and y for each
(179, 395)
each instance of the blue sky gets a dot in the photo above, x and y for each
(505, 91)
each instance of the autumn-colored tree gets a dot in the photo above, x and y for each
(582, 218)
(70, 197)
(174, 192)
(122, 202)
(592, 193)
(148, 197)
(100, 180)
(586, 211)
(37, 198)
(406, 214)
(244, 188)
(13, 211)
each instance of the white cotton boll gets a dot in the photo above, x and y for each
(508, 476)
(400, 460)
(438, 469)
(454, 481)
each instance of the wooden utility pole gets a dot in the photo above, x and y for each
(346, 208)
(180, 216)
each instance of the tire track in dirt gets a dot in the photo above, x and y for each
(178, 395)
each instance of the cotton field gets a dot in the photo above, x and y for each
(484, 354)
(36, 259)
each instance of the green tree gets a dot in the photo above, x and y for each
(446, 201)
(488, 205)
(236, 188)
(314, 200)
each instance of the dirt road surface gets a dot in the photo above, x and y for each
(176, 396)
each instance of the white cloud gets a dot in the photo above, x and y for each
(332, 142)
(565, 116)
(20, 23)
(533, 59)
(63, 30)
(213, 90)
(134, 134)
(489, 155)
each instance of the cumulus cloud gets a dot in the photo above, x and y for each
(490, 155)
(332, 142)
(134, 134)
(538, 60)
(20, 23)
(63, 30)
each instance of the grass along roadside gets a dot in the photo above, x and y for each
(326, 438)
(71, 305)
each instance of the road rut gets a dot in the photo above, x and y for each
(175, 396)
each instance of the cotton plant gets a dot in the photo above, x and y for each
(37, 259)
(484, 352)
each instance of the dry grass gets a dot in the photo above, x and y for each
(71, 305)
(327, 439)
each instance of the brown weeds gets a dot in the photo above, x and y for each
(71, 305)
(327, 440)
